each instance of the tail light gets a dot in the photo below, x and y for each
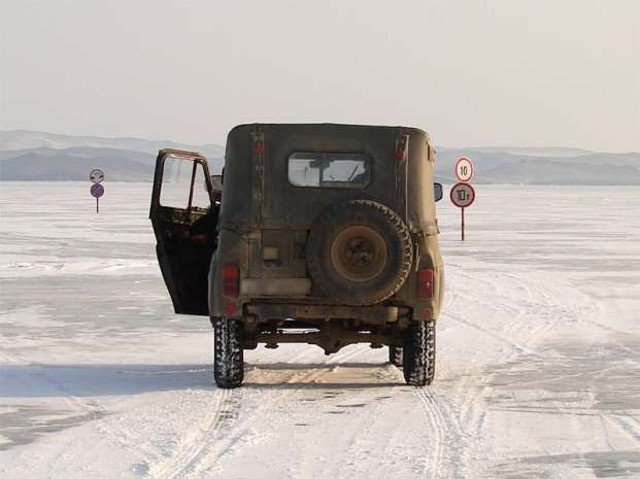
(230, 281)
(425, 284)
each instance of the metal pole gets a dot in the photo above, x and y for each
(97, 205)
(462, 230)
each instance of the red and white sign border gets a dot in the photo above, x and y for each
(453, 188)
(455, 169)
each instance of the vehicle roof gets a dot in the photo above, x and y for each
(326, 127)
(258, 191)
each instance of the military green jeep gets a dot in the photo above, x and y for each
(322, 234)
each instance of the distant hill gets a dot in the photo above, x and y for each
(28, 155)
(38, 156)
(533, 166)
(28, 140)
(47, 164)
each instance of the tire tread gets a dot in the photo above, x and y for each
(228, 362)
(420, 353)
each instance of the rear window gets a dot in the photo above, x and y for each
(329, 170)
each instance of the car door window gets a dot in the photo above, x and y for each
(183, 184)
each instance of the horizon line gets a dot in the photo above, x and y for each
(221, 145)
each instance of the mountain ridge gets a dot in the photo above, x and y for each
(40, 156)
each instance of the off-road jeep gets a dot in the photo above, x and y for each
(323, 234)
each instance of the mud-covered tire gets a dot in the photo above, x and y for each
(419, 353)
(359, 252)
(395, 356)
(228, 358)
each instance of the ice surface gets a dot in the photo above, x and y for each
(538, 353)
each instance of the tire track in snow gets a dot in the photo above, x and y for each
(202, 447)
(538, 312)
(193, 444)
(535, 298)
(518, 348)
(467, 418)
(500, 305)
(226, 442)
(628, 426)
(365, 443)
(438, 426)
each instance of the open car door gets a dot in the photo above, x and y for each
(184, 213)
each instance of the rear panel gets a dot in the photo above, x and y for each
(267, 219)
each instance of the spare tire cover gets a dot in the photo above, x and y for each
(359, 252)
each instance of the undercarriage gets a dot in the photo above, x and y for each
(331, 327)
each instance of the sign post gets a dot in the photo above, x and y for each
(462, 224)
(97, 190)
(462, 194)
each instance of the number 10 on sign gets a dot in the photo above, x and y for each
(464, 169)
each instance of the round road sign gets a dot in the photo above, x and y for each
(97, 190)
(97, 176)
(462, 195)
(464, 169)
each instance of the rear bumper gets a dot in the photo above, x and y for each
(377, 314)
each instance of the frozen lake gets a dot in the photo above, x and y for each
(538, 370)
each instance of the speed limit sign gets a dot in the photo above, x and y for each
(464, 169)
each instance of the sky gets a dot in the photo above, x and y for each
(472, 73)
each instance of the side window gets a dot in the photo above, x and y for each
(183, 184)
(200, 191)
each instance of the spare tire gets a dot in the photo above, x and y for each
(359, 252)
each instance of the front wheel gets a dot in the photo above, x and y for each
(228, 359)
(419, 353)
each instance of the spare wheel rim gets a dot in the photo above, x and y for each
(359, 253)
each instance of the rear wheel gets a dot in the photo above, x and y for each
(419, 353)
(228, 361)
(395, 355)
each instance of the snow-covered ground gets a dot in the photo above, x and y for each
(538, 354)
